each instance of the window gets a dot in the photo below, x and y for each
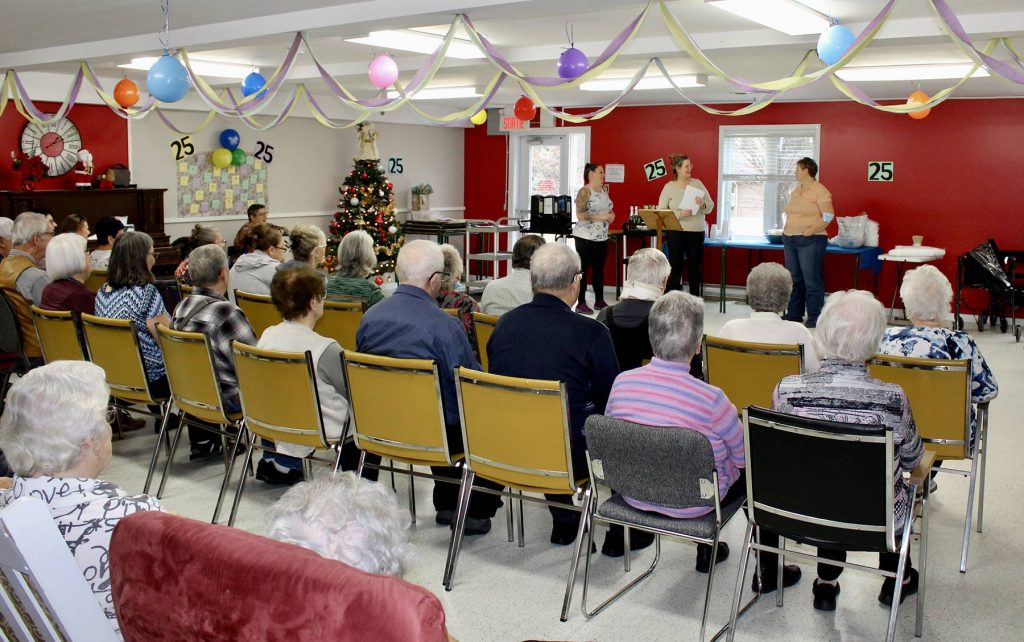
(755, 170)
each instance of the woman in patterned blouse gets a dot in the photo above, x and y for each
(55, 435)
(450, 298)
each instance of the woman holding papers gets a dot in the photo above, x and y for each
(593, 214)
(808, 213)
(691, 202)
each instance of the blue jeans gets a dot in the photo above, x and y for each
(805, 260)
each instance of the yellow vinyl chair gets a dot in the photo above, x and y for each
(280, 403)
(196, 392)
(259, 309)
(452, 311)
(184, 290)
(515, 432)
(748, 372)
(483, 327)
(410, 431)
(96, 279)
(340, 321)
(113, 345)
(939, 391)
(58, 335)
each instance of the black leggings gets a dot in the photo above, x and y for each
(592, 259)
(685, 248)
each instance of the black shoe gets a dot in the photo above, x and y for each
(205, 449)
(704, 556)
(615, 545)
(790, 575)
(825, 595)
(128, 423)
(563, 535)
(474, 526)
(444, 517)
(267, 472)
(889, 588)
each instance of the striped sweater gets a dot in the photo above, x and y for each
(664, 393)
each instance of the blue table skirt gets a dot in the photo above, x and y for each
(868, 255)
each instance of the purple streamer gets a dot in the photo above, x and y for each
(1002, 68)
(41, 115)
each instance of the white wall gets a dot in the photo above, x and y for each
(310, 162)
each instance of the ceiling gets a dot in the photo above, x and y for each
(52, 35)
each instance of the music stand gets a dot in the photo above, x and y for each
(659, 220)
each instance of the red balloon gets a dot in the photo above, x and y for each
(919, 98)
(525, 109)
(126, 93)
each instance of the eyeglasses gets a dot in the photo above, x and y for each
(444, 275)
(283, 248)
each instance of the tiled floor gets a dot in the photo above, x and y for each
(502, 592)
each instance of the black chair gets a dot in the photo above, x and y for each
(673, 467)
(829, 484)
(13, 359)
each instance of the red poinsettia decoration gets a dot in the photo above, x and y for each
(31, 168)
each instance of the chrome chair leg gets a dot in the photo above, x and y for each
(574, 565)
(362, 463)
(170, 455)
(970, 514)
(748, 538)
(900, 570)
(251, 438)
(778, 573)
(522, 524)
(626, 560)
(455, 543)
(711, 579)
(983, 451)
(922, 562)
(156, 452)
(412, 494)
(227, 476)
(508, 519)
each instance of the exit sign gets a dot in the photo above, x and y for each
(880, 171)
(511, 122)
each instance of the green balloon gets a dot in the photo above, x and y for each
(237, 157)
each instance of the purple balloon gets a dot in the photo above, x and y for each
(572, 63)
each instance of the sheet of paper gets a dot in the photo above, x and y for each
(689, 200)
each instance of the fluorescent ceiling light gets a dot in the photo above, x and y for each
(938, 71)
(419, 42)
(201, 67)
(649, 82)
(786, 16)
(440, 93)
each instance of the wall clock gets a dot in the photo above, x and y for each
(57, 141)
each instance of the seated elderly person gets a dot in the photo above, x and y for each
(501, 295)
(356, 261)
(55, 435)
(208, 311)
(664, 393)
(21, 278)
(298, 294)
(768, 288)
(6, 227)
(450, 298)
(308, 244)
(926, 295)
(68, 266)
(646, 277)
(344, 518)
(849, 330)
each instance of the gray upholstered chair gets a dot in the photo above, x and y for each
(672, 467)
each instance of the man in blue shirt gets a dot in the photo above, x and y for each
(545, 339)
(410, 325)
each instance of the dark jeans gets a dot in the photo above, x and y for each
(685, 248)
(563, 519)
(446, 495)
(805, 260)
(592, 260)
(829, 573)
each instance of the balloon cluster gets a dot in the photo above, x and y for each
(228, 153)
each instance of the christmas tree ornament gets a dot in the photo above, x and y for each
(353, 201)
(378, 280)
(392, 229)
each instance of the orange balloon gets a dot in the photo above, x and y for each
(919, 98)
(126, 93)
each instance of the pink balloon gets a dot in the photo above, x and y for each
(383, 71)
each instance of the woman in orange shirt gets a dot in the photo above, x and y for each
(808, 213)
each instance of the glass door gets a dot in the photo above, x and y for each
(547, 164)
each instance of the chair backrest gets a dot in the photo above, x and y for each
(667, 466)
(516, 431)
(483, 328)
(259, 309)
(215, 573)
(340, 321)
(113, 345)
(820, 481)
(279, 396)
(45, 592)
(748, 372)
(185, 290)
(939, 392)
(96, 279)
(192, 375)
(452, 311)
(410, 427)
(58, 335)
(348, 298)
(10, 329)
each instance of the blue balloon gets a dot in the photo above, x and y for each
(833, 43)
(572, 63)
(229, 139)
(167, 79)
(253, 83)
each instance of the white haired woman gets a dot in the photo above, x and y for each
(308, 243)
(347, 519)
(55, 436)
(68, 266)
(646, 277)
(356, 261)
(849, 330)
(450, 298)
(769, 286)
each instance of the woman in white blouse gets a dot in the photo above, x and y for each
(593, 214)
(686, 246)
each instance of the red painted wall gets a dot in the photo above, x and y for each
(957, 172)
(103, 132)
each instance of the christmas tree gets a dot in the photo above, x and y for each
(367, 203)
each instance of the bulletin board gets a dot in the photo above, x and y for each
(206, 191)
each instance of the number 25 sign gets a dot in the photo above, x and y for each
(655, 169)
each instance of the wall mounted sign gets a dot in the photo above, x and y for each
(655, 169)
(880, 171)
